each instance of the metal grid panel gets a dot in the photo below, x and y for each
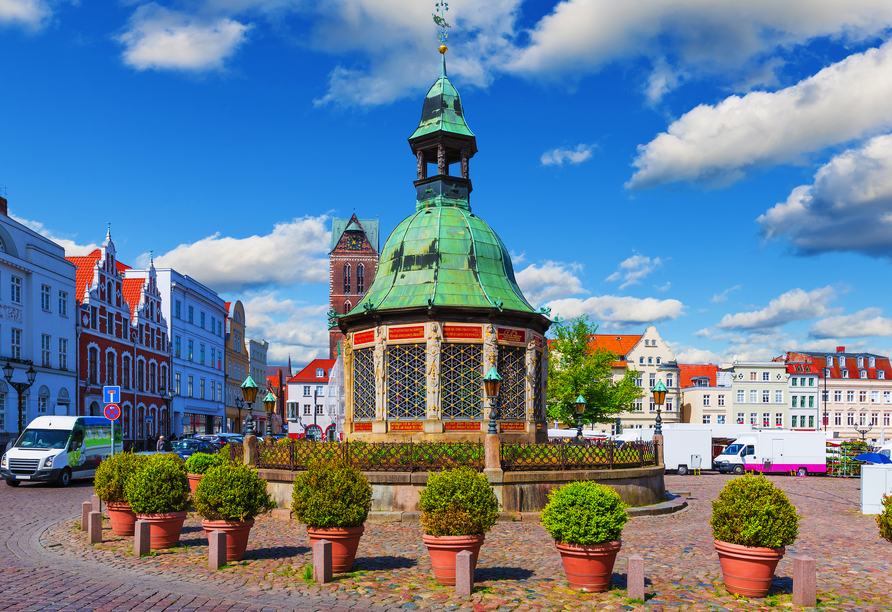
(460, 373)
(512, 369)
(590, 455)
(406, 382)
(538, 405)
(364, 384)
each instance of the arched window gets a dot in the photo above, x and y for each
(152, 422)
(162, 379)
(110, 359)
(140, 421)
(94, 366)
(125, 417)
(108, 292)
(152, 378)
(347, 306)
(125, 372)
(141, 376)
(346, 279)
(360, 279)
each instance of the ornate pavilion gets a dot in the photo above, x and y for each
(443, 309)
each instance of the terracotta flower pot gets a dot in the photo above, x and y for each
(344, 543)
(165, 528)
(121, 517)
(443, 550)
(589, 567)
(194, 479)
(748, 570)
(236, 536)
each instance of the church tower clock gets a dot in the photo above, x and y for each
(353, 261)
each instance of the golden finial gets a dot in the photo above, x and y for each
(443, 48)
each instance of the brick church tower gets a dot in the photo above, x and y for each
(353, 261)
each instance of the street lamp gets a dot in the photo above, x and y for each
(580, 409)
(492, 382)
(269, 402)
(863, 432)
(249, 391)
(659, 392)
(20, 389)
(239, 404)
(166, 396)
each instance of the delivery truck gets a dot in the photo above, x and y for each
(776, 451)
(689, 446)
(59, 449)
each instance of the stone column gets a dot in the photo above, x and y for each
(250, 448)
(658, 441)
(422, 165)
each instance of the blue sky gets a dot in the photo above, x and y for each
(720, 169)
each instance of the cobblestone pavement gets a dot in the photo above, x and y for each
(519, 568)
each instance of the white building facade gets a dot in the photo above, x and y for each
(37, 325)
(310, 412)
(760, 392)
(196, 315)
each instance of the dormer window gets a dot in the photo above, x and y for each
(842, 362)
(863, 373)
(320, 373)
(826, 372)
(860, 362)
(871, 362)
(829, 361)
(845, 373)
(881, 374)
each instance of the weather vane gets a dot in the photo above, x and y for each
(440, 20)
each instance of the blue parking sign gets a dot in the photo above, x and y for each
(111, 395)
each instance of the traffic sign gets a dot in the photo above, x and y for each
(111, 395)
(112, 412)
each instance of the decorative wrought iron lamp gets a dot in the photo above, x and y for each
(269, 402)
(20, 389)
(249, 391)
(580, 409)
(659, 392)
(492, 382)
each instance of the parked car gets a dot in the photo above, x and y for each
(185, 448)
(221, 439)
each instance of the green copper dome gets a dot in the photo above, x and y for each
(444, 256)
(442, 110)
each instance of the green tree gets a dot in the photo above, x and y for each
(576, 368)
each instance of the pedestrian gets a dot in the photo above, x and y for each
(159, 446)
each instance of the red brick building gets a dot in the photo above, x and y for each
(353, 261)
(122, 340)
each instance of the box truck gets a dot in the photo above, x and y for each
(781, 451)
(58, 449)
(689, 446)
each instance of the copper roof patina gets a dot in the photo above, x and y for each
(442, 110)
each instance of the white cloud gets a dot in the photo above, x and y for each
(29, 13)
(72, 249)
(294, 252)
(862, 324)
(723, 296)
(847, 208)
(557, 157)
(718, 144)
(632, 270)
(794, 305)
(549, 281)
(690, 354)
(161, 39)
(665, 287)
(617, 311)
(291, 327)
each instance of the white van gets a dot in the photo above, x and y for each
(777, 451)
(58, 449)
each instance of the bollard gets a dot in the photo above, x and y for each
(142, 538)
(464, 573)
(322, 561)
(86, 509)
(95, 529)
(635, 578)
(805, 583)
(97, 504)
(217, 549)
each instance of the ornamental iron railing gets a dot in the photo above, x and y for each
(589, 455)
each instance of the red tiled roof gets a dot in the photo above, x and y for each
(121, 267)
(308, 374)
(691, 371)
(802, 368)
(820, 364)
(619, 344)
(84, 275)
(132, 291)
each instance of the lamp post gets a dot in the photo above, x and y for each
(249, 391)
(659, 392)
(239, 404)
(166, 396)
(863, 432)
(580, 409)
(20, 388)
(269, 402)
(492, 382)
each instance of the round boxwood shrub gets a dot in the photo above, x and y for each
(751, 511)
(458, 502)
(200, 463)
(584, 513)
(884, 519)
(331, 495)
(160, 485)
(232, 493)
(113, 473)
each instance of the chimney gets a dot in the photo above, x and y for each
(840, 349)
(3, 206)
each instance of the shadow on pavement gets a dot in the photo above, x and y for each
(383, 563)
(502, 573)
(275, 552)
